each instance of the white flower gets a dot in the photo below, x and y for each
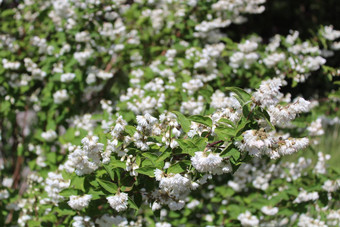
(304, 196)
(320, 167)
(109, 221)
(60, 96)
(247, 219)
(315, 128)
(141, 120)
(306, 221)
(10, 65)
(118, 201)
(163, 224)
(269, 210)
(173, 205)
(329, 33)
(194, 203)
(67, 77)
(7, 182)
(273, 59)
(4, 194)
(55, 184)
(80, 221)
(79, 202)
(268, 94)
(104, 75)
(159, 174)
(156, 206)
(209, 162)
(331, 186)
(49, 136)
(247, 46)
(86, 159)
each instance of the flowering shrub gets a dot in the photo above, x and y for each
(145, 113)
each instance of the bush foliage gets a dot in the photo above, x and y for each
(163, 113)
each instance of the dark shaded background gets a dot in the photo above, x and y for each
(281, 16)
(305, 16)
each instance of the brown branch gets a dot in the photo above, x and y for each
(109, 65)
(214, 143)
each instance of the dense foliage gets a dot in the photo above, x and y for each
(148, 113)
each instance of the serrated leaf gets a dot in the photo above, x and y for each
(110, 172)
(129, 129)
(95, 194)
(201, 119)
(242, 126)
(187, 146)
(78, 183)
(224, 133)
(246, 110)
(151, 156)
(68, 192)
(147, 170)
(206, 93)
(243, 95)
(132, 204)
(264, 114)
(234, 153)
(183, 121)
(163, 156)
(118, 163)
(179, 167)
(108, 186)
(199, 142)
(227, 122)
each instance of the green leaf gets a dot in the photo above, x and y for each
(129, 129)
(52, 157)
(243, 95)
(227, 122)
(224, 133)
(49, 218)
(118, 163)
(207, 93)
(246, 110)
(201, 119)
(234, 153)
(95, 194)
(108, 186)
(64, 211)
(226, 150)
(132, 204)
(33, 223)
(199, 142)
(110, 172)
(231, 151)
(151, 156)
(69, 191)
(225, 191)
(264, 114)
(147, 170)
(179, 167)
(187, 146)
(164, 155)
(78, 183)
(242, 126)
(183, 121)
